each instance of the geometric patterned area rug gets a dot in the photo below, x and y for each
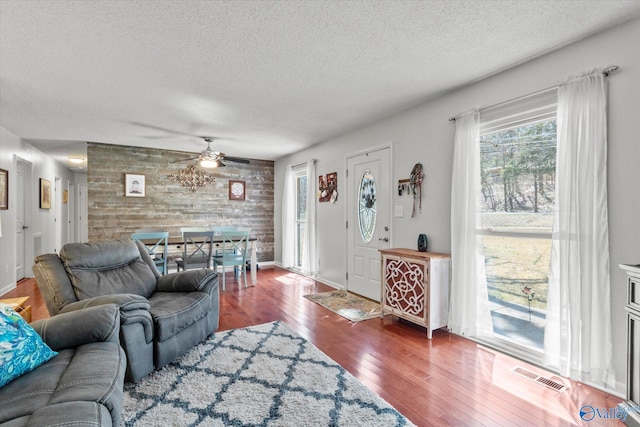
(351, 306)
(265, 375)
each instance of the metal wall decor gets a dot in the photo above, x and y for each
(191, 178)
(415, 182)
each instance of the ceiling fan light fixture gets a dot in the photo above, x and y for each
(208, 163)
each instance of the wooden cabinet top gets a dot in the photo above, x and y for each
(412, 253)
(633, 270)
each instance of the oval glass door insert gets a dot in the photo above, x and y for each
(367, 206)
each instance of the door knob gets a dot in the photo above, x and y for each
(24, 227)
(384, 239)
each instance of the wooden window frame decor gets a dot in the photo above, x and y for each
(45, 194)
(134, 185)
(237, 189)
(4, 189)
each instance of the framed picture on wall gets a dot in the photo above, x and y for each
(236, 190)
(134, 185)
(45, 194)
(4, 189)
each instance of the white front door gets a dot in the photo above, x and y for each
(368, 220)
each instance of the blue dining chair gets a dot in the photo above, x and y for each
(217, 232)
(156, 243)
(235, 245)
(196, 249)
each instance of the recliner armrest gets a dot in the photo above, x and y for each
(69, 330)
(126, 302)
(185, 281)
(133, 309)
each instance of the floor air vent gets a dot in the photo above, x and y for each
(549, 383)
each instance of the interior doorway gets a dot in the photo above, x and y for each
(82, 209)
(57, 206)
(23, 209)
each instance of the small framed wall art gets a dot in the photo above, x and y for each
(134, 185)
(45, 194)
(328, 187)
(236, 190)
(4, 189)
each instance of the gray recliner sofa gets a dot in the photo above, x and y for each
(82, 385)
(161, 316)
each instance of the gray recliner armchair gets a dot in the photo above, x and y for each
(161, 317)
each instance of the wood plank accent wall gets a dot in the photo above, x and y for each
(167, 204)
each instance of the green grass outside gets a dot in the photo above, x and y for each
(513, 263)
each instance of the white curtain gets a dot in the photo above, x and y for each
(469, 304)
(309, 262)
(577, 339)
(288, 219)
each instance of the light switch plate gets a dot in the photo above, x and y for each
(398, 211)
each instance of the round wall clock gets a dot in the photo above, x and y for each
(236, 190)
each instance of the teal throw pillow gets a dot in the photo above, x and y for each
(21, 348)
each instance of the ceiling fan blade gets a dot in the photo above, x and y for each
(171, 131)
(185, 160)
(236, 160)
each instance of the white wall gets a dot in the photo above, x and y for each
(424, 134)
(39, 220)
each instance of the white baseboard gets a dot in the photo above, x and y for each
(619, 386)
(329, 283)
(266, 263)
(6, 288)
(316, 278)
(260, 265)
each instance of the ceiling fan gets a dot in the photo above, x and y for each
(213, 159)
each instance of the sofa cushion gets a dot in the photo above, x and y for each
(91, 372)
(33, 390)
(21, 348)
(94, 373)
(175, 311)
(74, 414)
(108, 267)
(53, 282)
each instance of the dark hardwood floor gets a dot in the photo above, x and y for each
(445, 381)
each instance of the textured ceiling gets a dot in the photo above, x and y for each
(267, 77)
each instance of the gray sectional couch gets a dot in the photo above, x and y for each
(82, 385)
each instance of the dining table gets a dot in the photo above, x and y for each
(178, 241)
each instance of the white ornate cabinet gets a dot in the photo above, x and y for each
(415, 286)
(632, 405)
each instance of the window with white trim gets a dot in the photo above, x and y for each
(518, 164)
(300, 180)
